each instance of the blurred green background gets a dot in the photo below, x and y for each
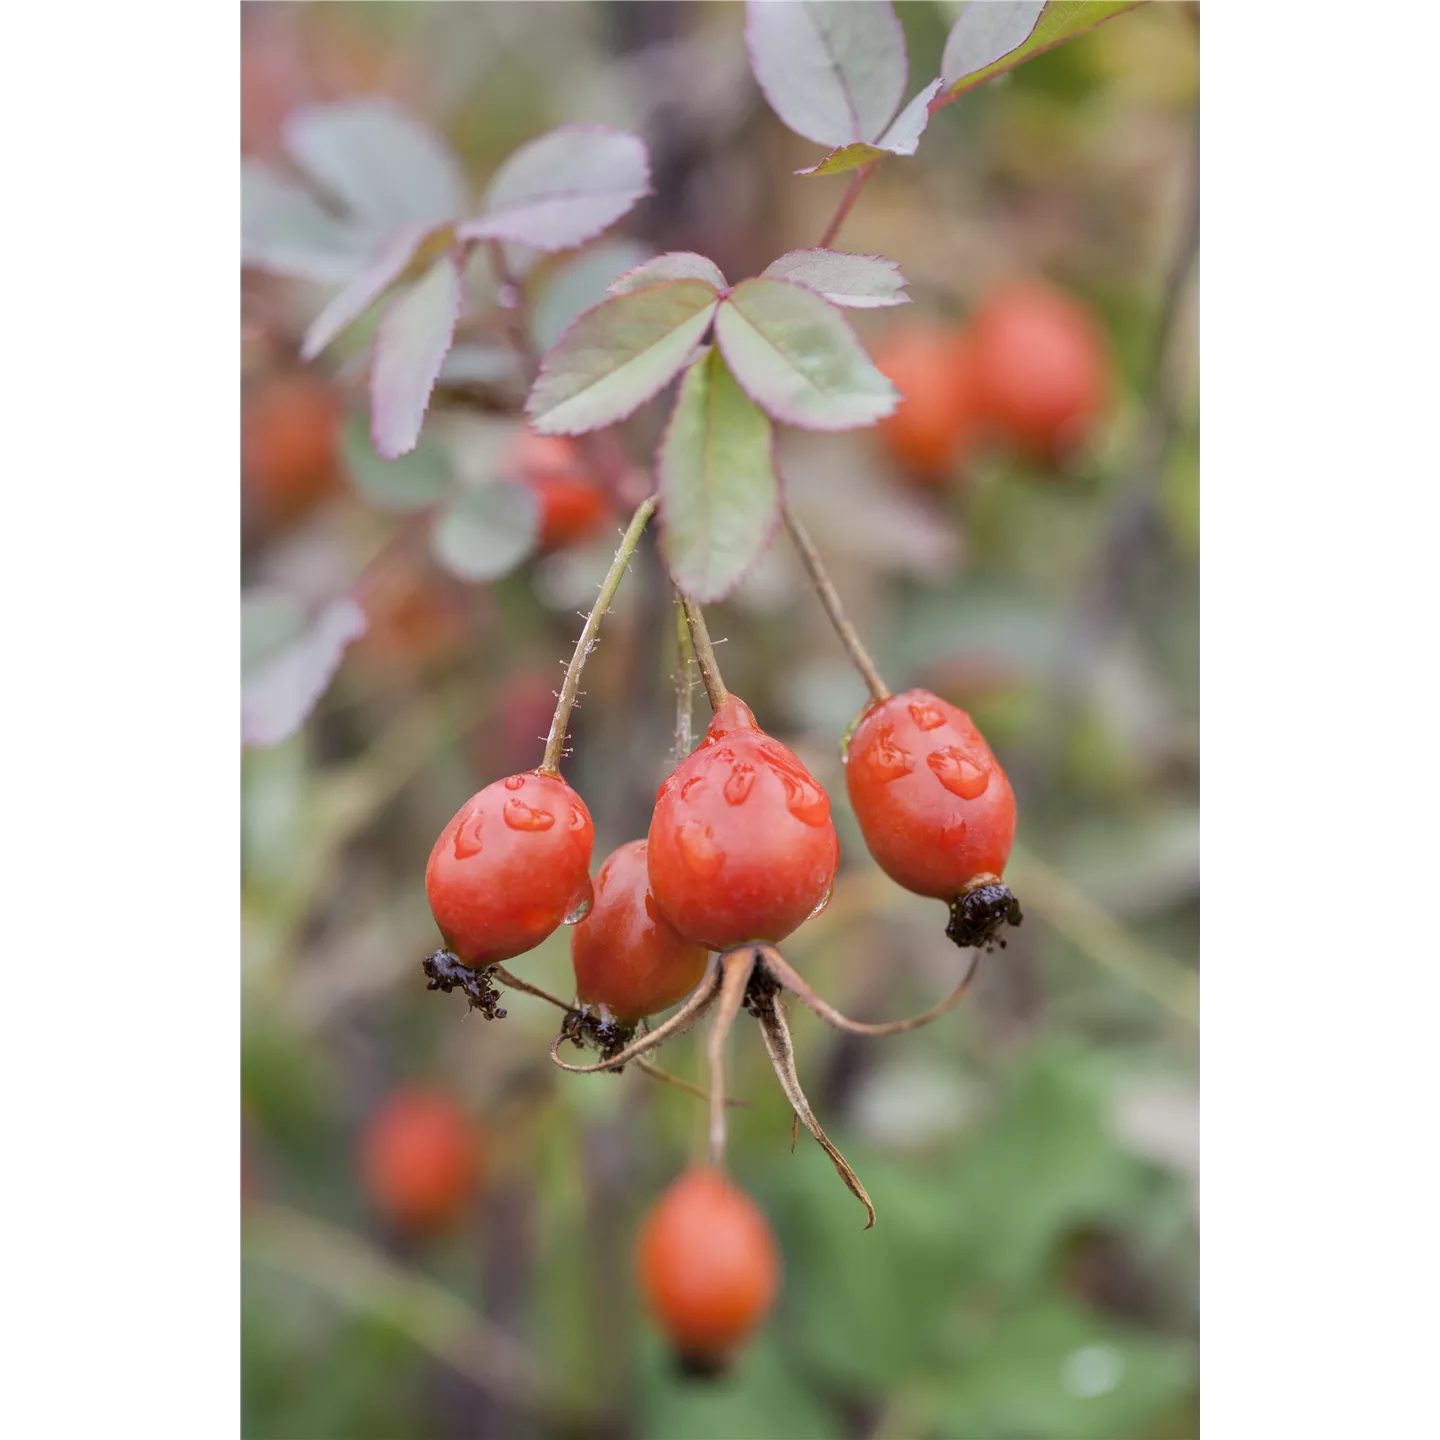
(1033, 1156)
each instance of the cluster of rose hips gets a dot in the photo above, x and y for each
(1030, 370)
(741, 851)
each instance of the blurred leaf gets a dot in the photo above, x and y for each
(581, 284)
(564, 188)
(410, 348)
(619, 355)
(387, 167)
(411, 482)
(833, 72)
(285, 230)
(485, 533)
(362, 290)
(718, 493)
(902, 138)
(1057, 1370)
(287, 663)
(479, 365)
(796, 357)
(676, 265)
(978, 32)
(861, 282)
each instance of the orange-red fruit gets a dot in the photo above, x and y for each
(932, 802)
(512, 865)
(708, 1265)
(628, 956)
(742, 846)
(1042, 366)
(572, 505)
(289, 438)
(933, 368)
(420, 1158)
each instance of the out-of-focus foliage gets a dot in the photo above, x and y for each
(1031, 1156)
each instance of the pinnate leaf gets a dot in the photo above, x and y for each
(796, 357)
(580, 284)
(563, 189)
(288, 663)
(351, 302)
(486, 532)
(412, 482)
(718, 492)
(902, 138)
(410, 347)
(382, 164)
(619, 355)
(833, 70)
(861, 282)
(675, 265)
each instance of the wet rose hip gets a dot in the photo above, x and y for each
(741, 842)
(420, 1158)
(708, 1265)
(628, 957)
(511, 867)
(935, 808)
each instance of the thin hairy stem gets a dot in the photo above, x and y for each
(830, 599)
(827, 1012)
(560, 725)
(525, 987)
(736, 967)
(698, 1003)
(782, 1056)
(704, 653)
(684, 688)
(847, 202)
(656, 1073)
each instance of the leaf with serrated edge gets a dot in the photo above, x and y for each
(579, 284)
(485, 533)
(619, 355)
(675, 265)
(719, 498)
(383, 164)
(286, 231)
(412, 482)
(861, 282)
(410, 347)
(797, 358)
(563, 189)
(1059, 21)
(986, 33)
(282, 687)
(833, 70)
(361, 293)
(902, 138)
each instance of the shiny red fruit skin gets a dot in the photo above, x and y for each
(708, 1265)
(627, 955)
(1043, 371)
(572, 505)
(509, 867)
(934, 806)
(420, 1158)
(742, 846)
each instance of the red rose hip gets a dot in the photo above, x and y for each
(628, 957)
(935, 808)
(741, 843)
(420, 1158)
(511, 867)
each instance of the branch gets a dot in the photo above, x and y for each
(704, 653)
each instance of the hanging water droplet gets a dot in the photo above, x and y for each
(579, 909)
(959, 774)
(825, 899)
(520, 816)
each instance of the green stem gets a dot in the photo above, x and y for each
(704, 653)
(560, 725)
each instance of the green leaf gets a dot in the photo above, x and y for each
(412, 482)
(675, 265)
(718, 493)
(860, 282)
(1060, 20)
(581, 283)
(363, 290)
(797, 358)
(485, 533)
(902, 138)
(619, 355)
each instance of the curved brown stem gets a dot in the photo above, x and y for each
(698, 1003)
(782, 1056)
(736, 967)
(526, 988)
(791, 981)
(665, 1077)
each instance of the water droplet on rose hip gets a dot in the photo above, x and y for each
(698, 849)
(884, 759)
(825, 899)
(958, 773)
(925, 715)
(740, 783)
(579, 909)
(520, 816)
(467, 837)
(952, 836)
(693, 783)
(805, 801)
(514, 782)
(577, 819)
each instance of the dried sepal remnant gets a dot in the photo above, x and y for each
(443, 971)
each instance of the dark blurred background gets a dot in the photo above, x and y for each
(1033, 1156)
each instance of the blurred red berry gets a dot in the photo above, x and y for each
(420, 1158)
(289, 440)
(933, 368)
(572, 506)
